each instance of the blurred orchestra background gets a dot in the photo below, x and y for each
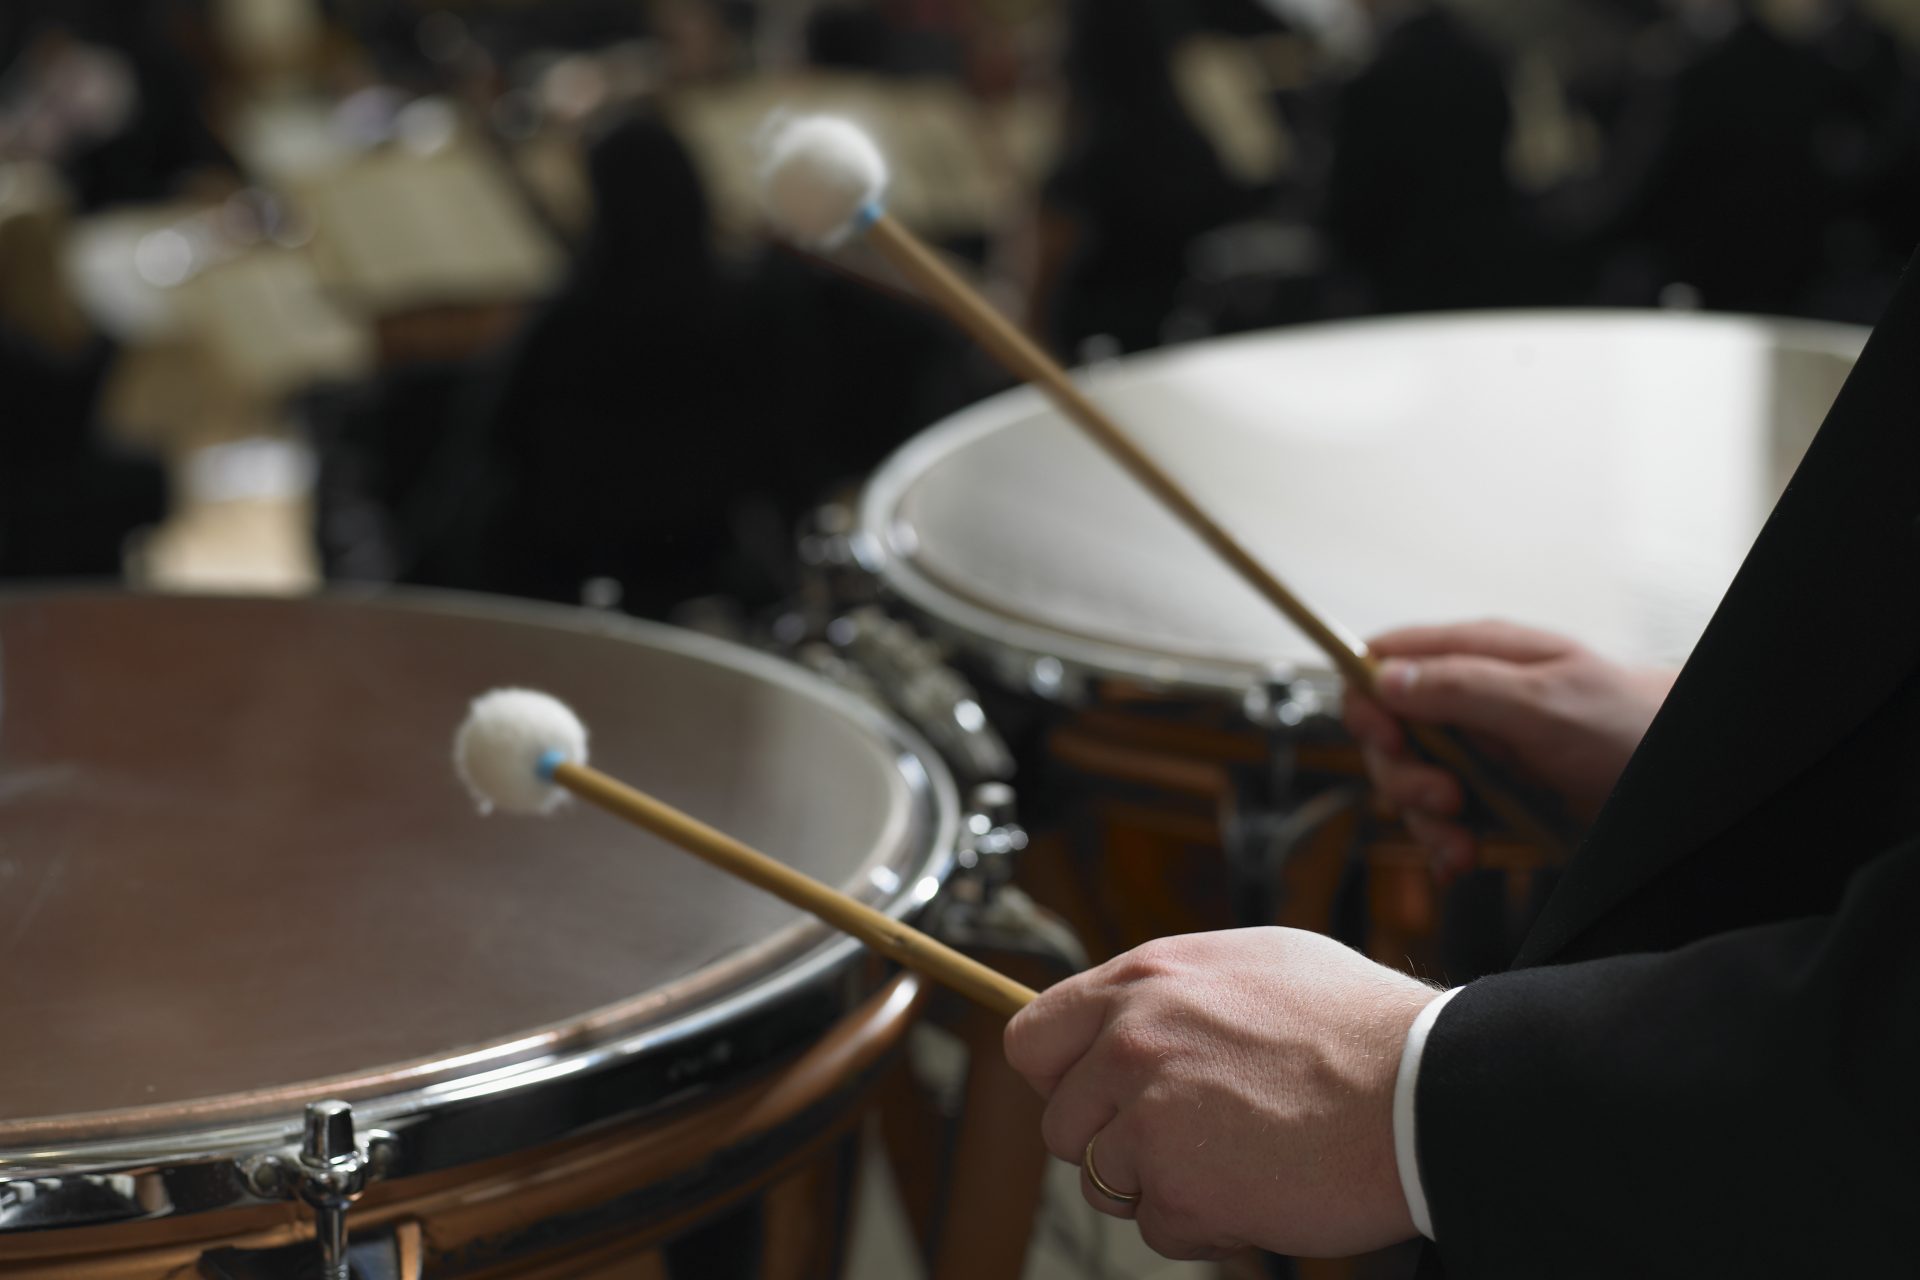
(475, 294)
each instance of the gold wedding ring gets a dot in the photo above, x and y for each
(1099, 1184)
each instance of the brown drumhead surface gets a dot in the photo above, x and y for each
(236, 868)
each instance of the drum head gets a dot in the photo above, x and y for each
(1600, 474)
(237, 873)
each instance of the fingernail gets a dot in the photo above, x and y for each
(1398, 676)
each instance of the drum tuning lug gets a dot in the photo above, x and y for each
(992, 835)
(832, 538)
(988, 912)
(383, 1151)
(1282, 700)
(913, 677)
(838, 561)
(1047, 677)
(602, 594)
(268, 1176)
(328, 1171)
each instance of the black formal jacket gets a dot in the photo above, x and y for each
(1706, 1061)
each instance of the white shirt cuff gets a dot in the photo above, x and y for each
(1405, 1153)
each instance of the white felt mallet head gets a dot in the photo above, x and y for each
(821, 178)
(508, 745)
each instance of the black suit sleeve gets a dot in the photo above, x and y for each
(1745, 1105)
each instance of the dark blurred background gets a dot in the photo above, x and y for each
(475, 294)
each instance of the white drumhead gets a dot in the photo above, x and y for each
(1598, 473)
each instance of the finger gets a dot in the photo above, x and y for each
(1124, 1058)
(1048, 1036)
(1489, 695)
(1413, 786)
(1490, 638)
(1083, 1103)
(1451, 846)
(1370, 723)
(1103, 1203)
(1116, 1170)
(1170, 1235)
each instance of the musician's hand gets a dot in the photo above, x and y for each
(1556, 713)
(1240, 1082)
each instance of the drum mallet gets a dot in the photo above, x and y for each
(823, 179)
(522, 751)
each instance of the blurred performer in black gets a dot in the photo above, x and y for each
(97, 93)
(616, 427)
(664, 421)
(1136, 183)
(67, 504)
(1419, 207)
(1752, 172)
(111, 93)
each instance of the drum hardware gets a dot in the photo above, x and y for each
(842, 576)
(884, 659)
(80, 1199)
(327, 1172)
(819, 658)
(1272, 813)
(911, 676)
(984, 910)
(877, 653)
(990, 835)
(1011, 923)
(1283, 701)
(838, 570)
(1047, 677)
(385, 1253)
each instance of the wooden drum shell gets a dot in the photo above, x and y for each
(610, 1203)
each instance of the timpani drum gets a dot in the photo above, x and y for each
(1599, 474)
(261, 953)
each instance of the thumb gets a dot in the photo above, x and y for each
(1485, 694)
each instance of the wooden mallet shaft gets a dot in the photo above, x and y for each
(899, 942)
(1026, 360)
